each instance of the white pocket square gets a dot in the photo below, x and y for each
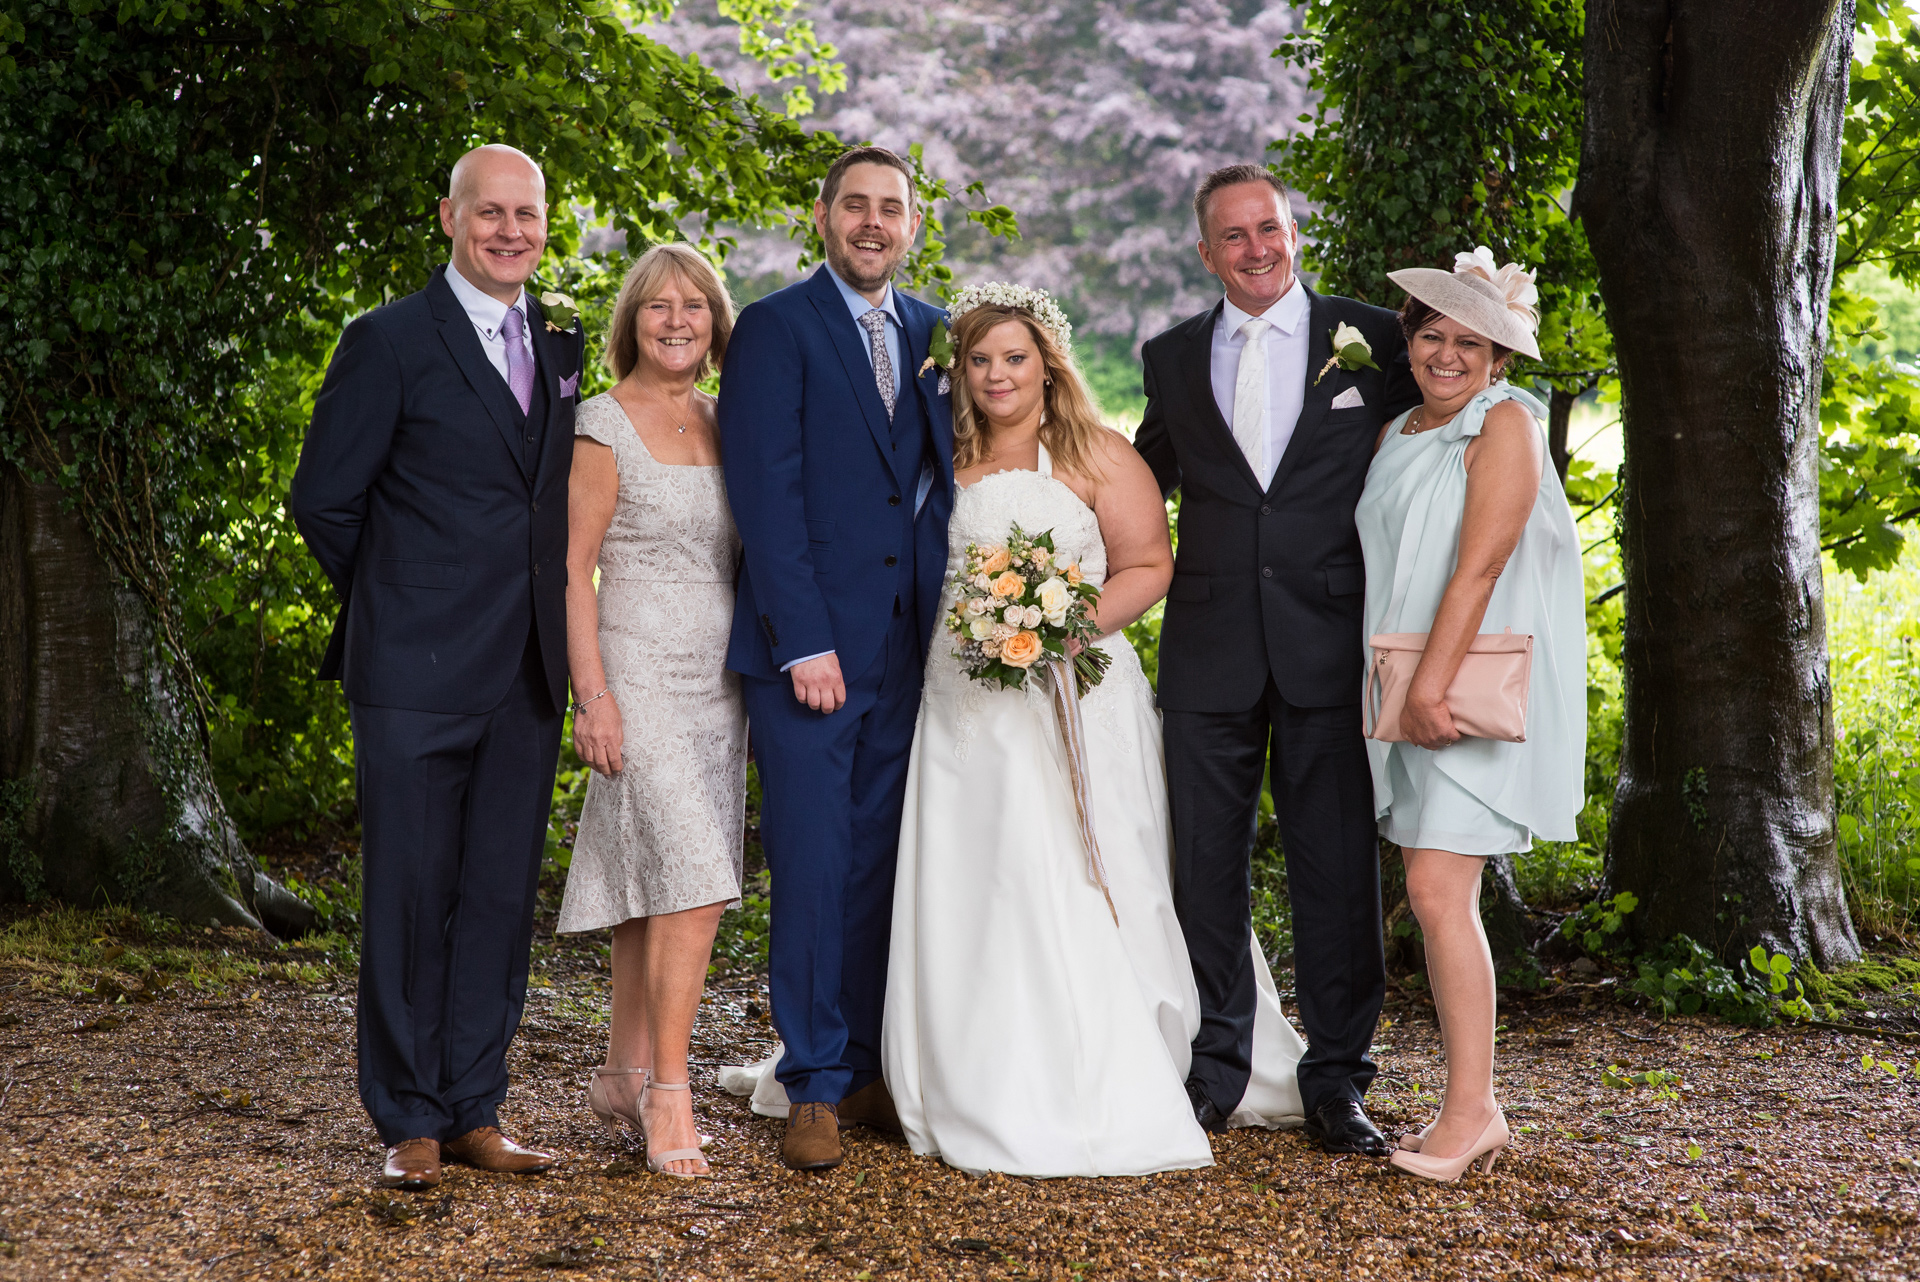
(1349, 399)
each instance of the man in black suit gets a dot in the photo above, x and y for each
(1268, 438)
(432, 488)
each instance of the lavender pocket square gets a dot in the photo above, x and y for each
(569, 385)
(1349, 399)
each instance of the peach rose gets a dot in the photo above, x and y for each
(1022, 649)
(1009, 585)
(1073, 574)
(994, 560)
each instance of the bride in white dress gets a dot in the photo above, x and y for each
(1026, 1031)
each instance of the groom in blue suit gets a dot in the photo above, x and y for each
(839, 467)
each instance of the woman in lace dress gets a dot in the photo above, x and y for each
(658, 717)
(1029, 1029)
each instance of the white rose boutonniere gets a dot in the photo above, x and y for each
(1350, 351)
(562, 313)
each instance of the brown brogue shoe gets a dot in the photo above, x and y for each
(871, 1105)
(412, 1164)
(813, 1138)
(486, 1148)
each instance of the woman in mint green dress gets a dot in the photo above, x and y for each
(1466, 530)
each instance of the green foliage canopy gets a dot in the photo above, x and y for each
(1444, 126)
(188, 190)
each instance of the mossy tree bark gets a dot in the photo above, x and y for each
(107, 793)
(1708, 185)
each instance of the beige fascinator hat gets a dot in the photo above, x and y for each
(1495, 302)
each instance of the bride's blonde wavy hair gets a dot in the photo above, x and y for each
(1070, 424)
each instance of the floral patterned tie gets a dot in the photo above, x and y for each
(875, 323)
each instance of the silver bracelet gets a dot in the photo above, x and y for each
(584, 702)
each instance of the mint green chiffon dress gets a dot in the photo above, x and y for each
(1478, 796)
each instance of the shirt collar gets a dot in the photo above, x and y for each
(1285, 315)
(858, 304)
(486, 311)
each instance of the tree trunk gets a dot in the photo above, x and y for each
(1707, 185)
(106, 792)
(1560, 403)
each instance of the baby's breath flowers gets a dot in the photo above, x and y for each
(1018, 605)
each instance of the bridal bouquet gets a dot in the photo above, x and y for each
(1018, 609)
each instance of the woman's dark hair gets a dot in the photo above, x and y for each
(1416, 316)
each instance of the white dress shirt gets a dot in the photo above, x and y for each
(488, 314)
(1286, 368)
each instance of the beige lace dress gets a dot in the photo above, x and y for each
(664, 834)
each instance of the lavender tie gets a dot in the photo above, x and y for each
(519, 359)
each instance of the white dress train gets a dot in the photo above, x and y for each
(1024, 1031)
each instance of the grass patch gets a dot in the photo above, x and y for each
(117, 955)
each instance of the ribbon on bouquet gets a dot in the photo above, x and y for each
(1073, 737)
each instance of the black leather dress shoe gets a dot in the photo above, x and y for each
(1205, 1111)
(1342, 1126)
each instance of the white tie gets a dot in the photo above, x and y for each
(1250, 397)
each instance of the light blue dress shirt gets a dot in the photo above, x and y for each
(859, 306)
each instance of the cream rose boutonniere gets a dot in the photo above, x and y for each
(1350, 351)
(562, 313)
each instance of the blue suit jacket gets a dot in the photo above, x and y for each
(414, 495)
(817, 492)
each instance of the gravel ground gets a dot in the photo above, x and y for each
(217, 1135)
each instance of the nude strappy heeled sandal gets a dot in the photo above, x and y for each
(657, 1162)
(603, 1108)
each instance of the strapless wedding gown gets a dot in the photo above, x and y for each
(1025, 1032)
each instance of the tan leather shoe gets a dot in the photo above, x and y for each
(412, 1164)
(813, 1138)
(871, 1105)
(489, 1150)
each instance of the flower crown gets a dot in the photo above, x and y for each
(1514, 282)
(1036, 303)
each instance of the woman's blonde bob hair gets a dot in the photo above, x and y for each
(645, 279)
(1070, 426)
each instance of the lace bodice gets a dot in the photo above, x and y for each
(985, 510)
(672, 524)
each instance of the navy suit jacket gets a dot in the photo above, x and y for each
(818, 493)
(414, 494)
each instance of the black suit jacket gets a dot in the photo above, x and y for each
(414, 494)
(1267, 583)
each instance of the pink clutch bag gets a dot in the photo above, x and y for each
(1488, 697)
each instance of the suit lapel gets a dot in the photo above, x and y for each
(920, 319)
(456, 331)
(850, 341)
(550, 353)
(1313, 406)
(1196, 367)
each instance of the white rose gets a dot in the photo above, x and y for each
(1054, 595)
(1345, 336)
(1034, 615)
(982, 582)
(977, 606)
(980, 628)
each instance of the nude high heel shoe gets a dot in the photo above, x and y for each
(1492, 1139)
(657, 1162)
(603, 1108)
(1412, 1140)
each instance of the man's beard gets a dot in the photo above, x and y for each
(841, 260)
